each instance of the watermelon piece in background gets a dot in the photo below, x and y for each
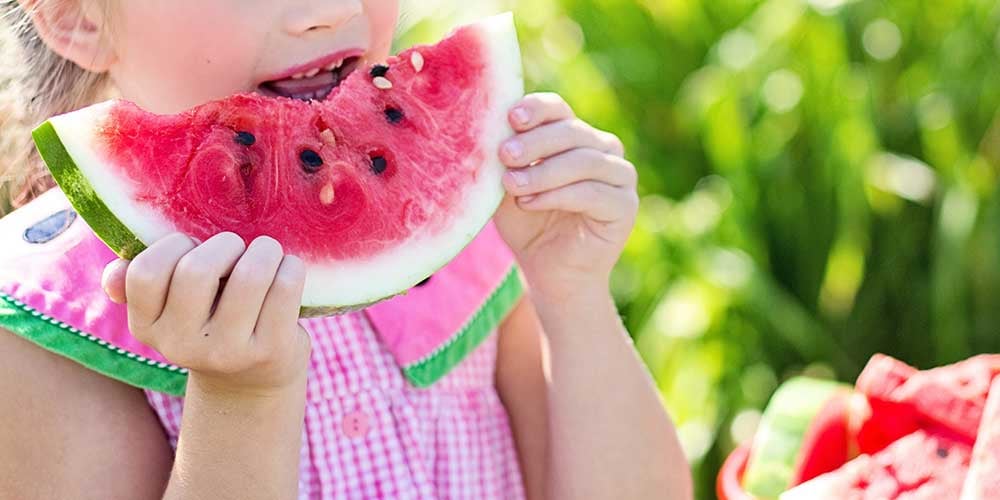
(375, 188)
(951, 397)
(804, 432)
(983, 480)
(920, 466)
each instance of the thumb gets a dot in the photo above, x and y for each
(113, 280)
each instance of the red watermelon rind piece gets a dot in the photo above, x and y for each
(65, 143)
(983, 480)
(801, 420)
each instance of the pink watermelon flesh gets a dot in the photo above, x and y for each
(983, 480)
(950, 397)
(204, 181)
(375, 188)
(920, 466)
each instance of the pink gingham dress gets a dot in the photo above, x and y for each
(381, 421)
(369, 434)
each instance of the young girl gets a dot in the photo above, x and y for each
(554, 403)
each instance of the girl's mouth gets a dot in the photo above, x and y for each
(316, 83)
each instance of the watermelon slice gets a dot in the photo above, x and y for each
(375, 188)
(804, 432)
(949, 397)
(983, 480)
(920, 466)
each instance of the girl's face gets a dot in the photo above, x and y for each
(169, 56)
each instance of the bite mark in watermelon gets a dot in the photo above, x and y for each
(920, 466)
(375, 188)
(983, 480)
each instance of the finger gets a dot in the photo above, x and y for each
(538, 109)
(599, 201)
(281, 304)
(113, 280)
(147, 278)
(569, 168)
(246, 288)
(195, 282)
(551, 139)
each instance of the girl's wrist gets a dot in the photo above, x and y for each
(572, 305)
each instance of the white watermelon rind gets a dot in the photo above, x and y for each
(65, 144)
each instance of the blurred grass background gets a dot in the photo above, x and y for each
(819, 182)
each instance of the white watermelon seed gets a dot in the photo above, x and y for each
(328, 138)
(417, 60)
(382, 82)
(327, 195)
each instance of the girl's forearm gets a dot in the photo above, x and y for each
(238, 446)
(610, 434)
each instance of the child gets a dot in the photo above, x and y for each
(553, 404)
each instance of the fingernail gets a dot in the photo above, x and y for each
(520, 178)
(521, 115)
(527, 199)
(514, 149)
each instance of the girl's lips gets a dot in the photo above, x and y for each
(325, 63)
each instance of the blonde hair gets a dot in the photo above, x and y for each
(35, 84)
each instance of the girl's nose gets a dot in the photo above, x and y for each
(316, 15)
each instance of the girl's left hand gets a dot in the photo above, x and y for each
(571, 200)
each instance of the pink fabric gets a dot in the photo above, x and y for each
(63, 278)
(415, 324)
(370, 435)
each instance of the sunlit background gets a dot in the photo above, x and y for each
(818, 178)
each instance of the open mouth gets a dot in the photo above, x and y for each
(312, 84)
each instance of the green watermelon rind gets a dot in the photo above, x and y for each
(780, 434)
(81, 194)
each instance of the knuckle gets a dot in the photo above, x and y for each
(140, 275)
(288, 282)
(192, 267)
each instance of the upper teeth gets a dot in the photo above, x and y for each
(315, 71)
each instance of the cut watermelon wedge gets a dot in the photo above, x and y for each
(950, 397)
(375, 188)
(983, 480)
(921, 466)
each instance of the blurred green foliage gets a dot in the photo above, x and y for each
(818, 179)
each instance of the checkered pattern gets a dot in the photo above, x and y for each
(451, 441)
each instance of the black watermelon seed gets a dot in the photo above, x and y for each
(424, 282)
(245, 138)
(379, 164)
(379, 70)
(942, 452)
(311, 161)
(394, 115)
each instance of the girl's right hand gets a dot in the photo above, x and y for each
(244, 342)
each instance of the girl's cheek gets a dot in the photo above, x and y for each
(173, 55)
(383, 15)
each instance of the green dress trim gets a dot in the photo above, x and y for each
(435, 365)
(88, 350)
(139, 371)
